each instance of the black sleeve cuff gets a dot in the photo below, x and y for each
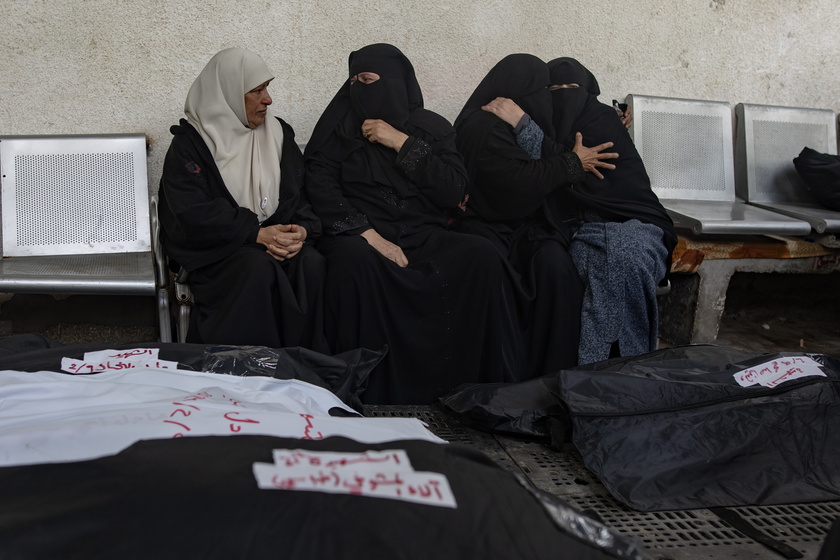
(574, 167)
(414, 155)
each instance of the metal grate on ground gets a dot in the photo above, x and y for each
(678, 535)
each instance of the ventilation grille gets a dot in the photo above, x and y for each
(75, 199)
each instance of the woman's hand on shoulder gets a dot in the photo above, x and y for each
(506, 109)
(387, 249)
(377, 130)
(592, 158)
(282, 241)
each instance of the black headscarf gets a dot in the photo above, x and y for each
(523, 78)
(624, 193)
(520, 77)
(395, 98)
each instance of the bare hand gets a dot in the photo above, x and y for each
(506, 109)
(626, 116)
(377, 130)
(387, 249)
(591, 158)
(282, 241)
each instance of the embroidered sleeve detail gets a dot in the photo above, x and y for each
(352, 221)
(530, 139)
(392, 197)
(574, 167)
(415, 157)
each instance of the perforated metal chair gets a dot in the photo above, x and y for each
(687, 148)
(76, 219)
(767, 138)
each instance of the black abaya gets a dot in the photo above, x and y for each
(449, 316)
(625, 192)
(624, 247)
(507, 204)
(242, 294)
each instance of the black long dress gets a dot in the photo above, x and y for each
(624, 244)
(507, 204)
(242, 294)
(449, 316)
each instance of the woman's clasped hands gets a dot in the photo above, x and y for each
(282, 241)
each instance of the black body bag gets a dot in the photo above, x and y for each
(672, 429)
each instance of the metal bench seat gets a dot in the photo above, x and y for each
(687, 147)
(767, 139)
(76, 219)
(120, 274)
(728, 218)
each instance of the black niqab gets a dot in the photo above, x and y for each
(569, 103)
(624, 193)
(395, 98)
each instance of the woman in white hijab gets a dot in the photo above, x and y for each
(234, 214)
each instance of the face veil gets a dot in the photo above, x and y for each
(395, 98)
(387, 98)
(570, 104)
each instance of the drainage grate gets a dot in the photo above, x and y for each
(679, 535)
(448, 428)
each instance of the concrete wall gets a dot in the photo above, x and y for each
(110, 66)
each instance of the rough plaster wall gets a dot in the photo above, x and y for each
(110, 66)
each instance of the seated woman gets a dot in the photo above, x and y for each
(383, 174)
(623, 243)
(233, 213)
(514, 168)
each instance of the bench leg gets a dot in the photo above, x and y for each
(690, 313)
(164, 320)
(711, 300)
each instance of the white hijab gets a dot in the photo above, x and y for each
(248, 158)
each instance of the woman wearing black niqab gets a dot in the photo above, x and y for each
(623, 245)
(384, 176)
(514, 168)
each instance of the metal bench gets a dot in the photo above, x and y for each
(688, 150)
(688, 153)
(767, 139)
(76, 219)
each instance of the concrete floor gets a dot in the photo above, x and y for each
(775, 313)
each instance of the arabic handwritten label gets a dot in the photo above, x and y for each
(115, 360)
(771, 374)
(182, 414)
(377, 474)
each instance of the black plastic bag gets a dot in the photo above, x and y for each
(196, 497)
(821, 173)
(673, 430)
(344, 374)
(529, 409)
